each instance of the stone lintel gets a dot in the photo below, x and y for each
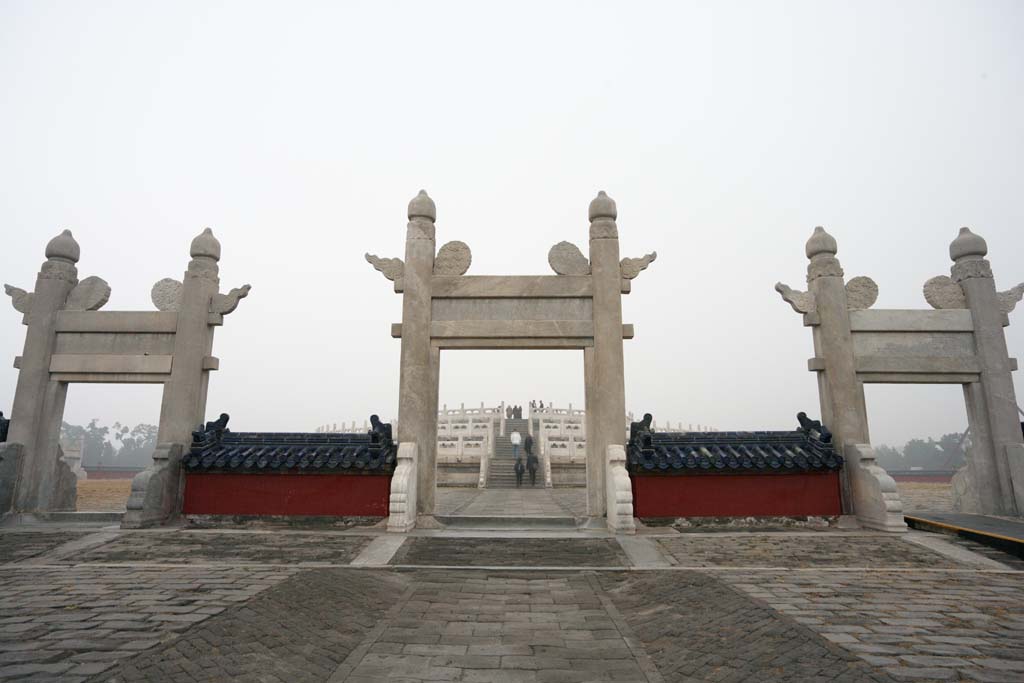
(17, 362)
(896, 320)
(215, 319)
(811, 319)
(211, 363)
(916, 378)
(510, 328)
(512, 286)
(396, 330)
(133, 322)
(102, 363)
(514, 343)
(627, 286)
(913, 365)
(109, 377)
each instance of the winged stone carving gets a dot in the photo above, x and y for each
(565, 258)
(392, 268)
(1008, 299)
(802, 302)
(453, 259)
(227, 303)
(861, 293)
(88, 295)
(941, 292)
(20, 299)
(166, 294)
(631, 267)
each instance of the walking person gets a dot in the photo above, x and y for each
(516, 440)
(519, 472)
(531, 459)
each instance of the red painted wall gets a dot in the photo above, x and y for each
(736, 495)
(287, 494)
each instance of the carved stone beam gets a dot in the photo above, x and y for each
(802, 302)
(631, 267)
(227, 303)
(20, 299)
(392, 268)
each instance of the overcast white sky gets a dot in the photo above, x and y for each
(298, 131)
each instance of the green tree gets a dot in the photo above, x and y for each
(137, 444)
(96, 450)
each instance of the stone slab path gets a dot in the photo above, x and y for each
(186, 606)
(523, 502)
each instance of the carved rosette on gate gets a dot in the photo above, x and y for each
(960, 342)
(69, 340)
(579, 308)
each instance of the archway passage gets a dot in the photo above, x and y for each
(478, 481)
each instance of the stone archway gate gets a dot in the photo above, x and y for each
(580, 307)
(70, 341)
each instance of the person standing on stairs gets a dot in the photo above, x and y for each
(516, 440)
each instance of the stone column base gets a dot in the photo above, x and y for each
(876, 500)
(402, 504)
(619, 492)
(156, 491)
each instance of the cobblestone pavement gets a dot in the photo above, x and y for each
(67, 623)
(21, 545)
(696, 628)
(945, 627)
(215, 546)
(298, 632)
(511, 552)
(524, 502)
(242, 607)
(930, 496)
(800, 550)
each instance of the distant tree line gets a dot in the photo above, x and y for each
(117, 446)
(948, 453)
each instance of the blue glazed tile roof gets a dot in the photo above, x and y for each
(242, 452)
(738, 452)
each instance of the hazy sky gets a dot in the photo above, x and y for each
(298, 131)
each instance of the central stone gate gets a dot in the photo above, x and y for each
(578, 308)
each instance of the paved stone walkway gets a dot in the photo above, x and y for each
(799, 550)
(523, 502)
(187, 605)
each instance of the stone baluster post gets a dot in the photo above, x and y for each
(417, 406)
(604, 374)
(991, 403)
(39, 402)
(840, 392)
(183, 406)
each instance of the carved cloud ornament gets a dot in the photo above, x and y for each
(20, 299)
(392, 268)
(166, 294)
(802, 302)
(941, 292)
(565, 258)
(88, 295)
(631, 267)
(227, 303)
(1008, 299)
(861, 293)
(452, 259)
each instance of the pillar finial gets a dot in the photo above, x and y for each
(64, 248)
(967, 245)
(821, 243)
(602, 206)
(602, 217)
(422, 206)
(205, 245)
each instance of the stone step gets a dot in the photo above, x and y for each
(506, 522)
